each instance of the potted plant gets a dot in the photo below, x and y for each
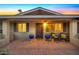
(31, 36)
(48, 36)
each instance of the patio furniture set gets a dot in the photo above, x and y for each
(53, 36)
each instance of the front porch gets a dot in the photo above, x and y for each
(37, 27)
(10, 31)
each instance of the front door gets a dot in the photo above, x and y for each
(39, 30)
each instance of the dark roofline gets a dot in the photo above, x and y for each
(38, 8)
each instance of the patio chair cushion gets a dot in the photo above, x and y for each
(63, 35)
(54, 35)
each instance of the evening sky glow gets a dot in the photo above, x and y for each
(11, 9)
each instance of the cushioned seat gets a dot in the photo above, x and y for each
(64, 36)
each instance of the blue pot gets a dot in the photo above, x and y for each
(47, 36)
(31, 36)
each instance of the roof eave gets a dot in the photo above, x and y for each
(41, 16)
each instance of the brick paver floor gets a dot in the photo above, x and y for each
(41, 47)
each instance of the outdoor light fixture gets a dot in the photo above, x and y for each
(45, 24)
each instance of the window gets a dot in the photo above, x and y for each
(50, 27)
(55, 27)
(22, 27)
(58, 27)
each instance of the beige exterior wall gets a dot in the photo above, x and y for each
(6, 30)
(73, 33)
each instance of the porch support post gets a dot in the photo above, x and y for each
(73, 29)
(44, 31)
(32, 28)
(6, 31)
(73, 32)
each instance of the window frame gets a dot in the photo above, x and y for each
(16, 27)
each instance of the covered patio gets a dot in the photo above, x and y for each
(22, 28)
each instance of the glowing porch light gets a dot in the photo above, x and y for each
(44, 24)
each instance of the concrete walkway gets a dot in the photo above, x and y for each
(41, 47)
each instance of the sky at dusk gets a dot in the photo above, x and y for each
(12, 9)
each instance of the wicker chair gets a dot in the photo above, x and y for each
(64, 36)
(55, 36)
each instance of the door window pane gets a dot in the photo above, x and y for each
(24, 27)
(19, 27)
